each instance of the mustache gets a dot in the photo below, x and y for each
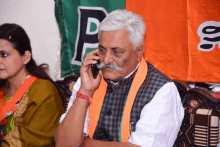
(110, 65)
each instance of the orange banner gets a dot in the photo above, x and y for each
(204, 40)
(177, 37)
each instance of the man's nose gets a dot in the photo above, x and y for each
(108, 58)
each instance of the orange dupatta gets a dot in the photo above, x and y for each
(9, 108)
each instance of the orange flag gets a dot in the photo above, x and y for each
(182, 37)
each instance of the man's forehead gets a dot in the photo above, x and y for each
(114, 38)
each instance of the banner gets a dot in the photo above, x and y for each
(204, 40)
(78, 21)
(182, 37)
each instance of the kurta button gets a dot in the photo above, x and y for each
(109, 113)
(110, 90)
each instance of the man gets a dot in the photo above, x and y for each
(132, 105)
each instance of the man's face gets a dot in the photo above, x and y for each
(114, 47)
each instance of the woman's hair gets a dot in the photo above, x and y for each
(16, 35)
(123, 19)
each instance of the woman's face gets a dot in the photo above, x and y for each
(11, 62)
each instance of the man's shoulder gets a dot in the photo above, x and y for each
(155, 74)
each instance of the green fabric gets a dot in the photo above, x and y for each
(10, 121)
(72, 24)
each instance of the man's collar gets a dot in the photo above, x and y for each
(126, 76)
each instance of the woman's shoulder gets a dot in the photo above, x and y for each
(42, 84)
(42, 89)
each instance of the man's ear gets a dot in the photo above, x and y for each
(27, 57)
(140, 51)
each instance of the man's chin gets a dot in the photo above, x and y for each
(113, 76)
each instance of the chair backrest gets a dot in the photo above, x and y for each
(65, 88)
(182, 87)
(200, 126)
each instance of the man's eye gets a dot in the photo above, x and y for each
(4, 55)
(117, 53)
(101, 51)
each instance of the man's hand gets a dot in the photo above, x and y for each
(88, 83)
(70, 131)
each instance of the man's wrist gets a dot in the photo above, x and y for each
(86, 92)
(82, 96)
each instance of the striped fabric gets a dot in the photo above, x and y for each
(199, 128)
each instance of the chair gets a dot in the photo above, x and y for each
(200, 126)
(65, 87)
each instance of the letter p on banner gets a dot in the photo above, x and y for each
(87, 37)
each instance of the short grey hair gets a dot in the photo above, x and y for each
(123, 19)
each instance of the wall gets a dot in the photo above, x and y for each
(38, 19)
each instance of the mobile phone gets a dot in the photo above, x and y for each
(95, 69)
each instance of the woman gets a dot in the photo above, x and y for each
(30, 105)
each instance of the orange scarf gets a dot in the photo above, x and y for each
(98, 98)
(9, 108)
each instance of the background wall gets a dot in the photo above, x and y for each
(38, 19)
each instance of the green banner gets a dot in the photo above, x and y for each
(78, 21)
